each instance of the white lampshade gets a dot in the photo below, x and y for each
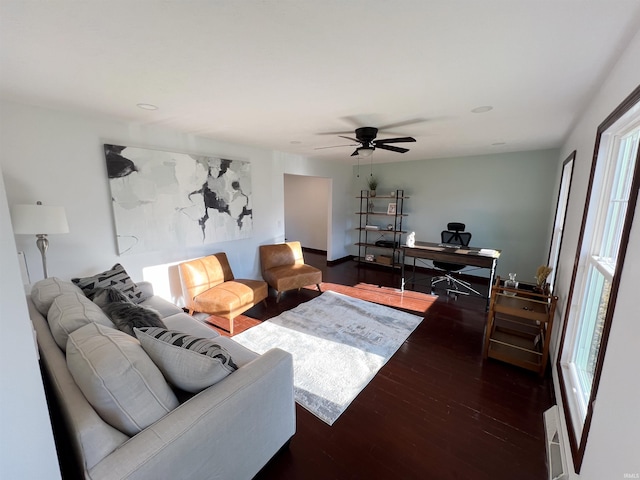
(38, 219)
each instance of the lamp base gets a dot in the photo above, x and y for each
(43, 243)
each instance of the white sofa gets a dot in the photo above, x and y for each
(230, 430)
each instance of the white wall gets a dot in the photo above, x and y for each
(504, 199)
(613, 447)
(26, 439)
(57, 158)
(306, 210)
(341, 224)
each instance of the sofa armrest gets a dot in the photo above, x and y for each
(229, 430)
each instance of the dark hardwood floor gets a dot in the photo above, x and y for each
(436, 410)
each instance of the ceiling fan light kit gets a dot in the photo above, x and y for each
(364, 151)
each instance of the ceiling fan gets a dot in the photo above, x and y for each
(367, 143)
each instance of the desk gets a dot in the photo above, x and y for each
(475, 257)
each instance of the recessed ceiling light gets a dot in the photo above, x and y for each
(499, 143)
(147, 106)
(482, 109)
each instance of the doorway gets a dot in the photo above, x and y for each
(307, 202)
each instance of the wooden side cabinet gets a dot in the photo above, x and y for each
(519, 326)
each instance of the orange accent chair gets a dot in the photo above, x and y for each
(284, 269)
(209, 286)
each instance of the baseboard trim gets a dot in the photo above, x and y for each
(338, 261)
(330, 263)
(314, 250)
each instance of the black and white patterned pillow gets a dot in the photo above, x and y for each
(117, 277)
(187, 362)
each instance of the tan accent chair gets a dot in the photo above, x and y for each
(209, 286)
(284, 269)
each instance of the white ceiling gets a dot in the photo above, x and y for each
(281, 74)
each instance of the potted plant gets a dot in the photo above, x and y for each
(372, 182)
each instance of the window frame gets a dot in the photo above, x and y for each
(557, 231)
(577, 440)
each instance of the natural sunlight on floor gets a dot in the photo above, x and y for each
(391, 297)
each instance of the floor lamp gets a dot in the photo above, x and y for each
(39, 220)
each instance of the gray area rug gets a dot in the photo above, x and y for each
(338, 345)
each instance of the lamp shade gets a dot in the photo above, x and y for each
(365, 151)
(38, 219)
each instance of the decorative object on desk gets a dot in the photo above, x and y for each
(39, 220)
(393, 193)
(371, 206)
(391, 209)
(411, 240)
(390, 227)
(511, 283)
(372, 182)
(369, 257)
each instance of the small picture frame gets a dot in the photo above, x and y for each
(391, 209)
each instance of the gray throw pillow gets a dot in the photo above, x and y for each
(118, 378)
(116, 277)
(125, 314)
(187, 362)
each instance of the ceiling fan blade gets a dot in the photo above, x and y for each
(350, 138)
(412, 121)
(395, 140)
(393, 149)
(343, 132)
(336, 146)
(355, 153)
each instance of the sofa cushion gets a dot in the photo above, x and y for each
(188, 324)
(189, 363)
(118, 378)
(162, 306)
(231, 298)
(116, 277)
(69, 312)
(44, 291)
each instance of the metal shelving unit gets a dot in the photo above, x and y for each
(380, 232)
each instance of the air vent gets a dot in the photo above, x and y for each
(556, 460)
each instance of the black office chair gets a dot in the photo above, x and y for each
(454, 236)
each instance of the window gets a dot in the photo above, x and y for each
(561, 215)
(611, 200)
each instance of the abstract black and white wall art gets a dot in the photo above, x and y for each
(163, 200)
